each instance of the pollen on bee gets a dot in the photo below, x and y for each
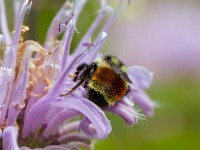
(124, 68)
(115, 61)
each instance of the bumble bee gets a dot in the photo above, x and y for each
(105, 80)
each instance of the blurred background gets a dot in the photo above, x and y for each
(163, 36)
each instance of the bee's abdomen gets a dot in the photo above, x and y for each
(109, 84)
(97, 98)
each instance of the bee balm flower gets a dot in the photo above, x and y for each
(32, 78)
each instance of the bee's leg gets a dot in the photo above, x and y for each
(87, 71)
(83, 67)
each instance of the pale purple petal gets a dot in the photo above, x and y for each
(52, 147)
(88, 128)
(140, 76)
(69, 34)
(9, 60)
(24, 148)
(5, 78)
(10, 138)
(20, 94)
(125, 111)
(74, 138)
(3, 23)
(91, 111)
(69, 127)
(0, 133)
(34, 119)
(58, 117)
(16, 6)
(33, 99)
(142, 99)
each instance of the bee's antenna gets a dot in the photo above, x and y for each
(77, 85)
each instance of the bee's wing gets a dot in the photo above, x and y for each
(119, 71)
